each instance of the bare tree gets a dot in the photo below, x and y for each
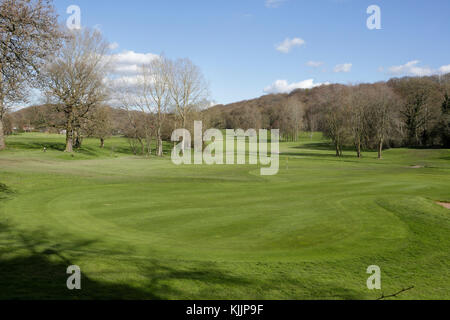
(246, 118)
(336, 117)
(98, 125)
(358, 117)
(381, 108)
(75, 78)
(138, 125)
(421, 107)
(188, 90)
(294, 117)
(154, 95)
(312, 118)
(28, 33)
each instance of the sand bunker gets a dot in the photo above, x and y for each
(416, 167)
(444, 204)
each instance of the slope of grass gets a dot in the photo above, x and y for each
(147, 229)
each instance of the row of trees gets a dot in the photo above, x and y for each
(73, 69)
(367, 116)
(361, 116)
(165, 92)
(411, 112)
(284, 112)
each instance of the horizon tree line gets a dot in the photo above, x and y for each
(72, 68)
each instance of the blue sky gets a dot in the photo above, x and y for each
(239, 43)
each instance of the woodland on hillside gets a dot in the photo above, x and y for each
(406, 112)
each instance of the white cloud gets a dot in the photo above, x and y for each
(127, 69)
(274, 3)
(113, 46)
(444, 69)
(125, 81)
(129, 62)
(345, 67)
(131, 57)
(282, 86)
(288, 44)
(411, 69)
(126, 72)
(314, 64)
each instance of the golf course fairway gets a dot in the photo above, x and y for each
(143, 228)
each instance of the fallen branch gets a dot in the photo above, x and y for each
(395, 294)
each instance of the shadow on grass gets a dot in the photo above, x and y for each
(5, 191)
(39, 273)
(59, 146)
(330, 155)
(323, 146)
(33, 267)
(326, 151)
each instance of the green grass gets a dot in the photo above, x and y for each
(143, 228)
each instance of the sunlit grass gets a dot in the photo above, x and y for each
(144, 228)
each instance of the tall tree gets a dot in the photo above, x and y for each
(381, 114)
(75, 78)
(358, 113)
(292, 118)
(188, 90)
(154, 94)
(28, 34)
(336, 117)
(312, 118)
(420, 109)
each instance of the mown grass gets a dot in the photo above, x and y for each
(143, 228)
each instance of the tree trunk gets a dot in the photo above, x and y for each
(102, 143)
(2, 112)
(69, 136)
(338, 152)
(2, 134)
(142, 146)
(78, 140)
(358, 149)
(69, 141)
(380, 149)
(160, 144)
(183, 145)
